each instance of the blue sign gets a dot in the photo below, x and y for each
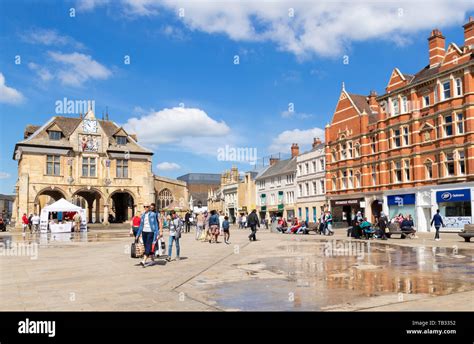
(453, 195)
(401, 200)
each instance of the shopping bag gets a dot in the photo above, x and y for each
(137, 250)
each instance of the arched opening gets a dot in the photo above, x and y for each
(122, 207)
(46, 197)
(164, 199)
(376, 207)
(90, 199)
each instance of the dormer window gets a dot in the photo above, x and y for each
(121, 140)
(54, 135)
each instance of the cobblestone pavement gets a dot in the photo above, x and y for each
(94, 271)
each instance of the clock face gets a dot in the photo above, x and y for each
(89, 126)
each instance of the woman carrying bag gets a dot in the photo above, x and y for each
(149, 230)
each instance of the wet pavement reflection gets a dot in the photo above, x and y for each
(323, 276)
(54, 238)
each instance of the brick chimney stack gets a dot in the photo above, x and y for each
(469, 33)
(295, 150)
(316, 141)
(273, 161)
(436, 44)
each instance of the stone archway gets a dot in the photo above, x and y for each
(92, 199)
(48, 196)
(122, 205)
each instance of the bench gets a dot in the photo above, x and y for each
(394, 228)
(467, 233)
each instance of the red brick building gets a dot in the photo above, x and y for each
(410, 150)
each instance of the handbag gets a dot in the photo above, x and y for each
(137, 249)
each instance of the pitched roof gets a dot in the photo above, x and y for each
(37, 135)
(361, 102)
(280, 167)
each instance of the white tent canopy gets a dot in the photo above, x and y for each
(61, 206)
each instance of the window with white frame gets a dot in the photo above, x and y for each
(307, 192)
(314, 166)
(350, 179)
(289, 179)
(458, 84)
(460, 123)
(322, 186)
(446, 89)
(396, 140)
(300, 169)
(349, 150)
(406, 136)
(357, 150)
(321, 164)
(344, 180)
(436, 93)
(404, 105)
(428, 170)
(448, 125)
(373, 144)
(461, 162)
(374, 175)
(395, 106)
(89, 167)
(449, 167)
(279, 181)
(343, 151)
(315, 188)
(306, 166)
(334, 183)
(426, 100)
(333, 155)
(406, 169)
(300, 190)
(397, 171)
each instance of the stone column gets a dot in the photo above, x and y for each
(97, 209)
(106, 214)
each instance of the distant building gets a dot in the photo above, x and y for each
(199, 184)
(311, 181)
(6, 206)
(276, 187)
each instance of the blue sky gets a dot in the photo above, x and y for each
(182, 93)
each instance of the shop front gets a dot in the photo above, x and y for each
(455, 207)
(342, 210)
(404, 204)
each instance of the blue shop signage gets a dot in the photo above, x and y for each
(401, 200)
(461, 195)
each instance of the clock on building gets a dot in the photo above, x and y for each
(89, 126)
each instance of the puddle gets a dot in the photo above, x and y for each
(53, 238)
(314, 281)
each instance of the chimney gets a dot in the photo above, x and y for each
(469, 33)
(273, 161)
(374, 106)
(295, 150)
(436, 44)
(316, 141)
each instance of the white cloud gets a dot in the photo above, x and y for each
(50, 38)
(4, 175)
(304, 138)
(76, 68)
(43, 72)
(86, 5)
(294, 114)
(188, 129)
(168, 166)
(322, 28)
(9, 95)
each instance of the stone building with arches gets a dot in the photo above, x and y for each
(91, 162)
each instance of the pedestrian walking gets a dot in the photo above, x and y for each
(438, 222)
(24, 222)
(77, 221)
(135, 224)
(253, 223)
(35, 220)
(149, 230)
(213, 226)
(226, 229)
(176, 227)
(328, 223)
(199, 225)
(187, 222)
(221, 221)
(383, 225)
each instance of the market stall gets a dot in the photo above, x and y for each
(64, 212)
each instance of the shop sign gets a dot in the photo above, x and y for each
(456, 221)
(401, 200)
(461, 195)
(346, 202)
